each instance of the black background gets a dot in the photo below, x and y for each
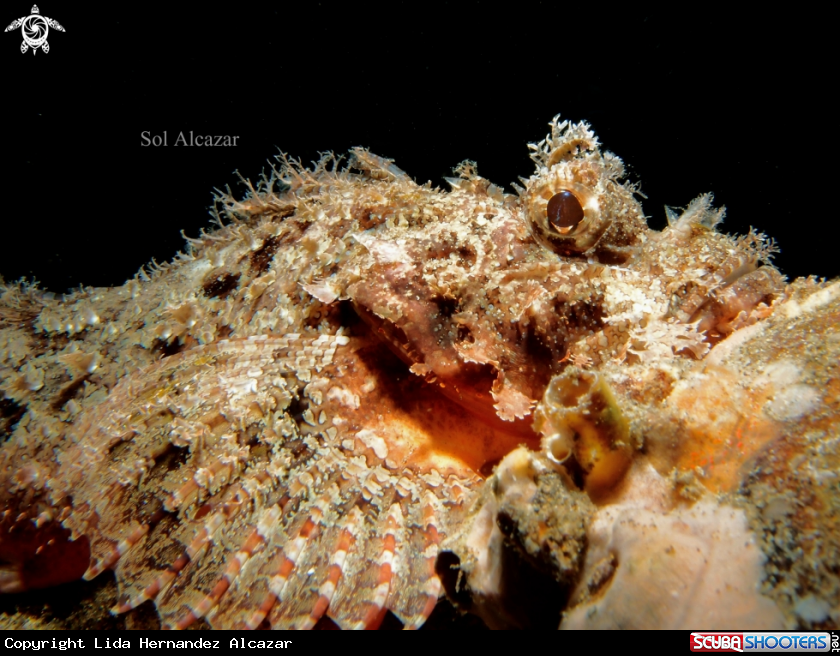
(693, 100)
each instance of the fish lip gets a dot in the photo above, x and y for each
(475, 400)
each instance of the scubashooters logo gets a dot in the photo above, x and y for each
(755, 641)
(34, 29)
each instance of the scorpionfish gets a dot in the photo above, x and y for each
(287, 421)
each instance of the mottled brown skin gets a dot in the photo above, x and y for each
(404, 337)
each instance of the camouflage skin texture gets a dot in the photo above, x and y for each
(292, 419)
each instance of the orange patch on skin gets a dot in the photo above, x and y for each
(445, 431)
(720, 436)
(421, 426)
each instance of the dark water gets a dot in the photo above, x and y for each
(692, 104)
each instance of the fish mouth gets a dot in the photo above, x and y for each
(470, 388)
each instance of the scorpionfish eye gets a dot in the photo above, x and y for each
(576, 204)
(564, 211)
(564, 215)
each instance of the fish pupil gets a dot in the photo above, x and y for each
(564, 211)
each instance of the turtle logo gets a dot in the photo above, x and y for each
(35, 29)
